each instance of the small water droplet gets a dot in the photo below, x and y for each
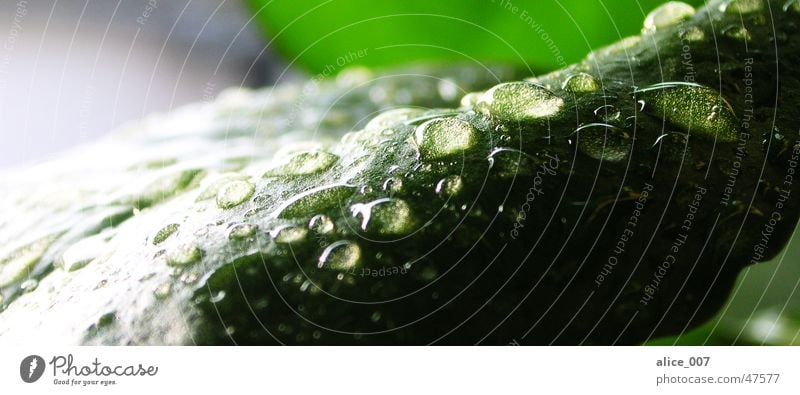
(737, 32)
(519, 101)
(451, 185)
(393, 185)
(692, 34)
(741, 6)
(164, 233)
(241, 231)
(668, 14)
(289, 234)
(163, 290)
(341, 255)
(603, 142)
(29, 285)
(608, 113)
(234, 193)
(217, 297)
(321, 224)
(183, 255)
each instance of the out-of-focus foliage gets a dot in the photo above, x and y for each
(323, 36)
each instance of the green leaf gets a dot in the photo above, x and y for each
(325, 36)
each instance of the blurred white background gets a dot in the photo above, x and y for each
(72, 70)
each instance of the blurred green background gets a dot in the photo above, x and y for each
(540, 34)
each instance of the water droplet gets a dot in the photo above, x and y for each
(741, 6)
(241, 231)
(668, 14)
(184, 255)
(737, 32)
(167, 187)
(519, 102)
(321, 224)
(581, 83)
(165, 233)
(29, 285)
(689, 106)
(793, 5)
(375, 317)
(16, 265)
(608, 113)
(315, 200)
(470, 99)
(341, 255)
(692, 34)
(289, 234)
(211, 190)
(393, 185)
(385, 217)
(303, 163)
(81, 253)
(234, 193)
(510, 163)
(603, 142)
(162, 291)
(443, 137)
(451, 185)
(217, 297)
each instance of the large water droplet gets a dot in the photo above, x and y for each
(303, 163)
(668, 14)
(385, 217)
(234, 193)
(519, 101)
(29, 285)
(165, 233)
(690, 106)
(315, 200)
(168, 186)
(603, 142)
(444, 137)
(81, 253)
(341, 255)
(184, 255)
(741, 6)
(16, 265)
(581, 83)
